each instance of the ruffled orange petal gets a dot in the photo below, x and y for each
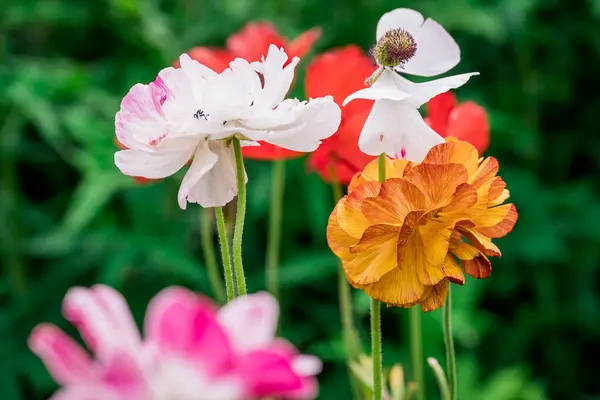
(454, 152)
(349, 216)
(432, 244)
(479, 267)
(397, 197)
(374, 255)
(509, 215)
(462, 250)
(393, 169)
(339, 241)
(487, 170)
(481, 242)
(449, 269)
(437, 182)
(436, 296)
(464, 197)
(398, 287)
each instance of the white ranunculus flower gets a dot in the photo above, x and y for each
(406, 43)
(193, 112)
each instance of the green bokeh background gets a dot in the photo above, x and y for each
(68, 217)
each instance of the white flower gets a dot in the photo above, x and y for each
(194, 112)
(406, 43)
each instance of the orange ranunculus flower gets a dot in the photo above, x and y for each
(401, 241)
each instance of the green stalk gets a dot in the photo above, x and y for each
(225, 254)
(376, 323)
(440, 377)
(449, 342)
(274, 238)
(210, 258)
(240, 216)
(416, 351)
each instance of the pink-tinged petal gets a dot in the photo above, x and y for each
(65, 360)
(186, 325)
(85, 391)
(305, 365)
(269, 374)
(250, 321)
(123, 375)
(102, 317)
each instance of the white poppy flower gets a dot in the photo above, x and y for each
(193, 112)
(406, 43)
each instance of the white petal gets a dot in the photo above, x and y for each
(151, 165)
(250, 321)
(394, 126)
(385, 87)
(277, 80)
(421, 93)
(204, 160)
(437, 52)
(404, 18)
(318, 120)
(214, 183)
(194, 70)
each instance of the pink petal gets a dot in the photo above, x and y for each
(267, 373)
(103, 318)
(65, 360)
(250, 321)
(123, 375)
(184, 324)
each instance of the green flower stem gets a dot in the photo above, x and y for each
(210, 258)
(240, 216)
(274, 238)
(416, 351)
(225, 254)
(376, 323)
(449, 342)
(440, 377)
(349, 333)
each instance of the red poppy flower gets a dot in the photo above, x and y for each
(466, 121)
(339, 73)
(251, 43)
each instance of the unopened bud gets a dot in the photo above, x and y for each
(394, 48)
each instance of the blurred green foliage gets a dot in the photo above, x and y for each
(68, 217)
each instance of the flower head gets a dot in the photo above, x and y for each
(466, 121)
(406, 43)
(192, 113)
(401, 241)
(190, 350)
(339, 72)
(251, 43)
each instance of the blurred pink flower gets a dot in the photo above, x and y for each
(190, 350)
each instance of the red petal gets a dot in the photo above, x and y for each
(253, 41)
(438, 111)
(469, 122)
(267, 151)
(300, 46)
(215, 59)
(339, 73)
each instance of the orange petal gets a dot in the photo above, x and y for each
(434, 243)
(481, 242)
(450, 269)
(338, 240)
(464, 197)
(462, 250)
(393, 169)
(400, 287)
(397, 197)
(437, 182)
(349, 216)
(300, 46)
(479, 267)
(454, 152)
(374, 255)
(509, 215)
(487, 170)
(436, 296)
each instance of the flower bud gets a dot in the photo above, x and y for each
(394, 48)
